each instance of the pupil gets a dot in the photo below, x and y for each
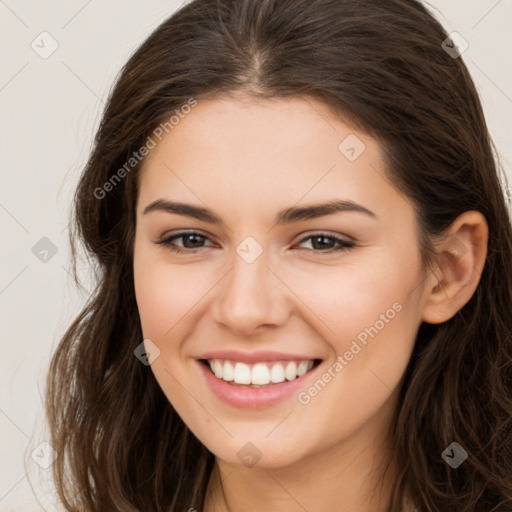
(198, 240)
(321, 245)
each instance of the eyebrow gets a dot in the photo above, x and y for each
(285, 216)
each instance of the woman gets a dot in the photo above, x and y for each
(304, 273)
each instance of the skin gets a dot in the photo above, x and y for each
(246, 159)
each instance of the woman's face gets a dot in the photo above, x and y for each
(273, 281)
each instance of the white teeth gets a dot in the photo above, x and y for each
(228, 373)
(217, 368)
(302, 368)
(277, 374)
(259, 374)
(242, 374)
(290, 372)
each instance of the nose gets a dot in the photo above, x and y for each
(250, 298)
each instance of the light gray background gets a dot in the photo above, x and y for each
(49, 111)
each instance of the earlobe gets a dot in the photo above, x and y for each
(458, 266)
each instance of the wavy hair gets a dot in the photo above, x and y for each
(381, 65)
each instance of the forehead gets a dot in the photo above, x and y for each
(282, 127)
(266, 152)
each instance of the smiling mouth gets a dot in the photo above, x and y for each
(259, 375)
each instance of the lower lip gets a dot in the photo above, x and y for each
(253, 398)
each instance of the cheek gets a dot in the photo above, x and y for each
(370, 315)
(156, 302)
(168, 296)
(343, 300)
(165, 293)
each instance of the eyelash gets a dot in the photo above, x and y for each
(344, 245)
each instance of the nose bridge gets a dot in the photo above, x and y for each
(250, 295)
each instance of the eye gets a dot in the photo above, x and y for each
(326, 243)
(192, 240)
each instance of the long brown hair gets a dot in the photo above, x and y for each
(381, 65)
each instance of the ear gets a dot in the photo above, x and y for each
(459, 264)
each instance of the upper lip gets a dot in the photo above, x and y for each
(254, 357)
